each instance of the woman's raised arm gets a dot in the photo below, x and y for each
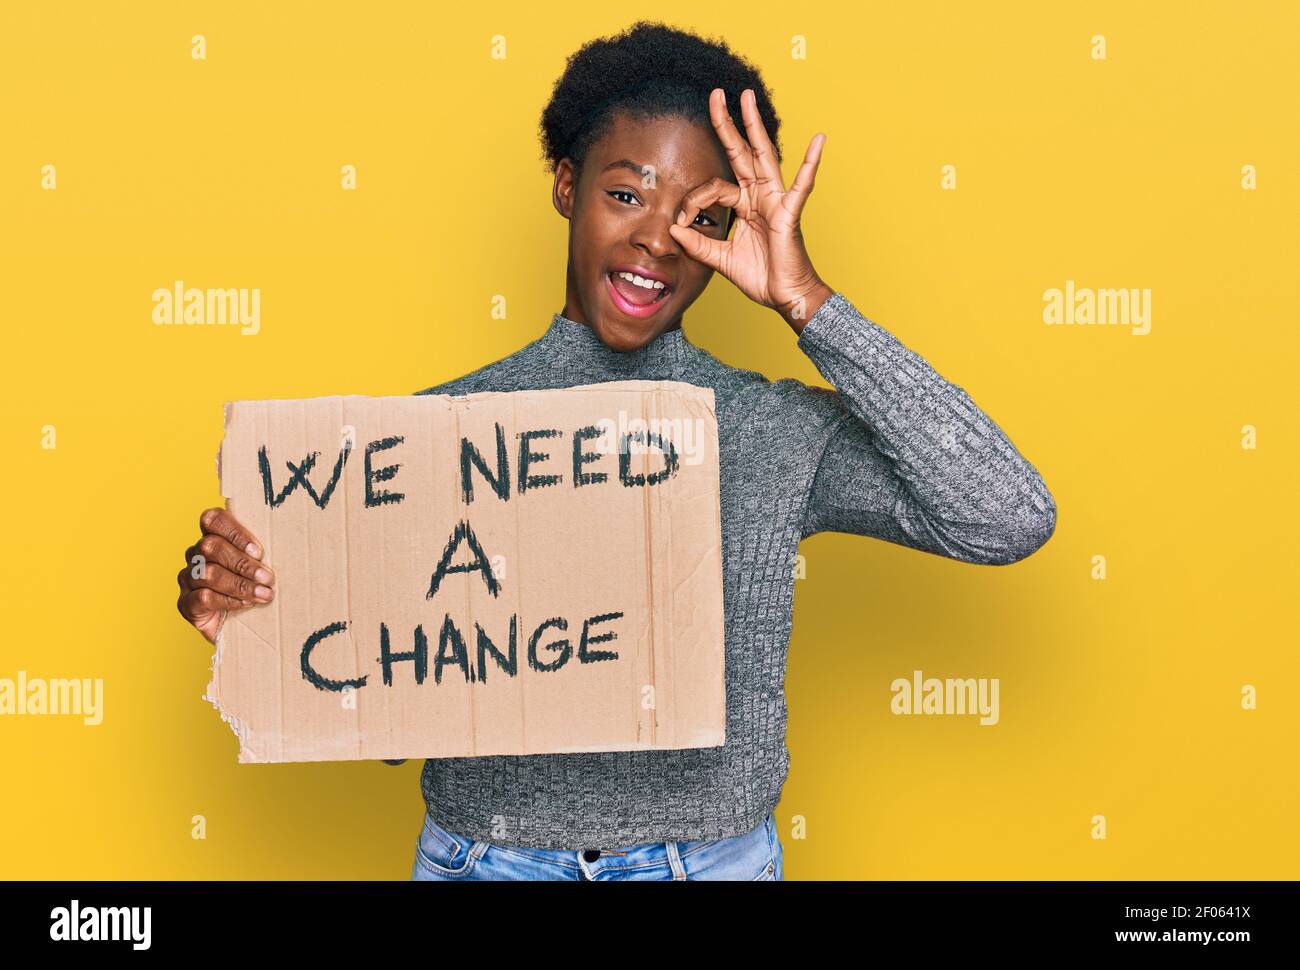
(912, 459)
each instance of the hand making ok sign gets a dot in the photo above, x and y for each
(765, 257)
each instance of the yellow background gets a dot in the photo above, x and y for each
(1119, 697)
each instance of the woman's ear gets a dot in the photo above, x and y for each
(565, 187)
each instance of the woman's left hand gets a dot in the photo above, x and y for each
(765, 258)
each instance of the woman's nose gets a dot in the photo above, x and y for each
(651, 231)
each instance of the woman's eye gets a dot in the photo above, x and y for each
(631, 199)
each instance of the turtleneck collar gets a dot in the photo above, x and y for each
(575, 347)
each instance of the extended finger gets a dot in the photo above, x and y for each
(222, 523)
(805, 178)
(767, 171)
(737, 149)
(212, 548)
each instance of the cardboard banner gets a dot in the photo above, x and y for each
(496, 573)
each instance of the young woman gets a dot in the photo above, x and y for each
(652, 173)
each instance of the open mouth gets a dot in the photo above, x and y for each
(635, 295)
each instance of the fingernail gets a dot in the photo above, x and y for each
(262, 593)
(262, 575)
(681, 218)
(254, 550)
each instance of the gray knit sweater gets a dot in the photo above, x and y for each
(895, 452)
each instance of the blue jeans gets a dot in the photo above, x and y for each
(441, 855)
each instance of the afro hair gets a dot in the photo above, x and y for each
(650, 70)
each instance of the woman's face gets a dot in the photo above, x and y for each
(631, 190)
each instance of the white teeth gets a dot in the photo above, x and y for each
(648, 284)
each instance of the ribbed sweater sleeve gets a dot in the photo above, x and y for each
(910, 458)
